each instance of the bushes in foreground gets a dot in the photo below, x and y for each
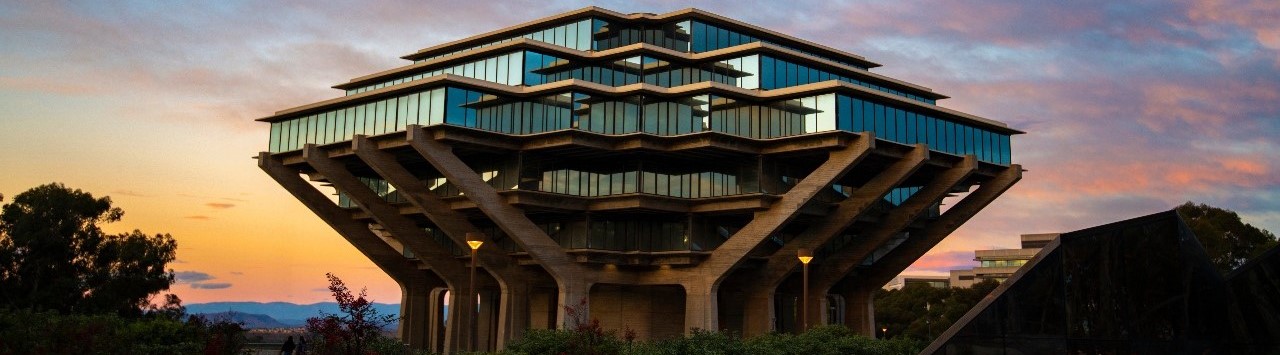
(823, 340)
(47, 332)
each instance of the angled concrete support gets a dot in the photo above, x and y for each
(759, 312)
(390, 260)
(702, 282)
(766, 223)
(838, 264)
(573, 280)
(909, 251)
(912, 249)
(514, 313)
(441, 261)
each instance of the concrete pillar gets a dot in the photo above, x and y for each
(415, 313)
(573, 304)
(701, 307)
(758, 313)
(486, 321)
(435, 320)
(513, 312)
(860, 311)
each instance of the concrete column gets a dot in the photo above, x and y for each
(513, 312)
(860, 311)
(415, 313)
(485, 321)
(456, 329)
(435, 320)
(758, 313)
(701, 307)
(573, 305)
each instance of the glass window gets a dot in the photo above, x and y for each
(911, 129)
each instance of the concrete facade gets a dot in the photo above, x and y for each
(938, 281)
(659, 173)
(999, 264)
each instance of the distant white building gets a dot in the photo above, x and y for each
(939, 281)
(999, 264)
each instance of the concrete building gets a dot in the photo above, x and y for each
(655, 172)
(938, 281)
(999, 264)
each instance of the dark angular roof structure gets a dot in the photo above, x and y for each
(1139, 286)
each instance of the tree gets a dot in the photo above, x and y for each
(54, 255)
(357, 328)
(922, 312)
(1229, 241)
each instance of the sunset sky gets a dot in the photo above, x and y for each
(1130, 107)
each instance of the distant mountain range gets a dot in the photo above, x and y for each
(274, 314)
(248, 320)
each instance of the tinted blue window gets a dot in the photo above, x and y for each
(455, 113)
(766, 72)
(868, 117)
(949, 131)
(856, 115)
(930, 133)
(722, 39)
(1005, 149)
(911, 129)
(882, 127)
(844, 120)
(900, 125)
(699, 37)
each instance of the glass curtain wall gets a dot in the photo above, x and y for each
(371, 118)
(609, 115)
(576, 35)
(507, 69)
(907, 127)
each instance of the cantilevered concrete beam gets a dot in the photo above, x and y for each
(703, 281)
(573, 281)
(513, 307)
(913, 248)
(442, 262)
(412, 281)
(838, 265)
(759, 312)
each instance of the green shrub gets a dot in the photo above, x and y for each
(825, 340)
(46, 332)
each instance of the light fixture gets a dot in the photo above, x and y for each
(805, 255)
(475, 240)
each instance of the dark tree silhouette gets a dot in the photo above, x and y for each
(355, 329)
(922, 312)
(1229, 241)
(54, 255)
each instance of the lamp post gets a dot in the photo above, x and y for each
(885, 331)
(474, 240)
(805, 256)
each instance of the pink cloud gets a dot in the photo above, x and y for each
(943, 261)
